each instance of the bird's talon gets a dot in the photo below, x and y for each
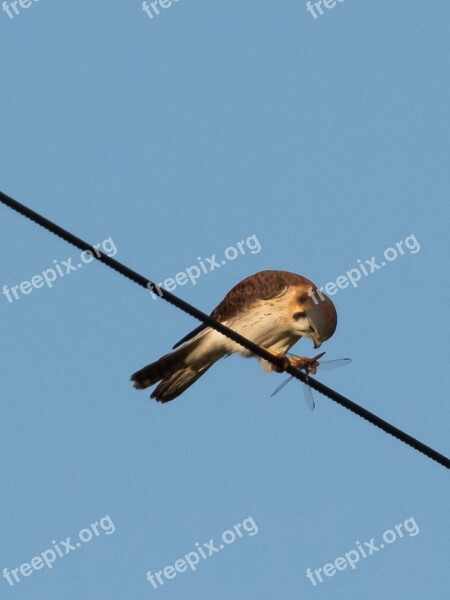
(309, 365)
(285, 363)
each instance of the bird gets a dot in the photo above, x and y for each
(272, 308)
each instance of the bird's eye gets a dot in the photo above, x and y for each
(303, 298)
(299, 315)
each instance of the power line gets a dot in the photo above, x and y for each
(208, 320)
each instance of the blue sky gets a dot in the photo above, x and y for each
(175, 138)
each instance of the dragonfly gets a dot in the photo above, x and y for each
(311, 367)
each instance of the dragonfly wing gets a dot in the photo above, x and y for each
(327, 365)
(307, 391)
(281, 386)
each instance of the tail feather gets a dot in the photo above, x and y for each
(155, 371)
(177, 370)
(176, 384)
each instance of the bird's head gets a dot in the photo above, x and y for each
(314, 316)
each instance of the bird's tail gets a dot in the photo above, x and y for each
(179, 369)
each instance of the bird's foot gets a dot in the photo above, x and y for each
(285, 362)
(309, 365)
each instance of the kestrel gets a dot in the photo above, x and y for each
(274, 309)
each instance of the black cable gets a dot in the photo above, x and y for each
(207, 320)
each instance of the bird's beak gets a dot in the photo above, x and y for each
(317, 344)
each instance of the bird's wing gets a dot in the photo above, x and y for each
(265, 285)
(190, 335)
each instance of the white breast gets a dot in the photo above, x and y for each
(268, 324)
